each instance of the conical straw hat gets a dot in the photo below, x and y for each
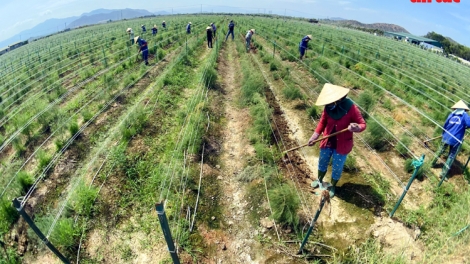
(136, 38)
(128, 29)
(460, 105)
(331, 93)
(309, 36)
(207, 28)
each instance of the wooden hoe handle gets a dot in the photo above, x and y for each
(325, 137)
(426, 141)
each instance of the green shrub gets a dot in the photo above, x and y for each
(64, 234)
(210, 78)
(350, 165)
(8, 215)
(249, 174)
(377, 137)
(43, 159)
(25, 180)
(314, 112)
(261, 123)
(73, 128)
(87, 115)
(400, 147)
(285, 202)
(83, 198)
(274, 66)
(366, 100)
(388, 104)
(292, 93)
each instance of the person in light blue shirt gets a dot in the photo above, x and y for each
(248, 36)
(452, 136)
(303, 45)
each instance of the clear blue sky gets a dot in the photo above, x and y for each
(449, 19)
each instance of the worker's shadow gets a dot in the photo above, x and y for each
(363, 196)
(455, 170)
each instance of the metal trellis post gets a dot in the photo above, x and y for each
(274, 50)
(36, 230)
(417, 164)
(312, 224)
(166, 232)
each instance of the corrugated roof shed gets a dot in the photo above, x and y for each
(413, 37)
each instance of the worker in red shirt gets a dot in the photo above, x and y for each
(339, 113)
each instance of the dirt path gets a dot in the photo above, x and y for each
(235, 239)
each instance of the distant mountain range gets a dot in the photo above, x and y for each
(96, 16)
(354, 23)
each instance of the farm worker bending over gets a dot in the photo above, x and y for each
(339, 113)
(209, 36)
(214, 29)
(164, 24)
(303, 45)
(154, 30)
(143, 28)
(188, 28)
(131, 35)
(144, 48)
(452, 136)
(248, 36)
(231, 27)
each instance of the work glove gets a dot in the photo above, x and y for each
(313, 138)
(353, 127)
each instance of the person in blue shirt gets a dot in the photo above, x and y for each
(188, 28)
(231, 27)
(143, 47)
(452, 136)
(143, 29)
(214, 29)
(164, 24)
(303, 45)
(154, 30)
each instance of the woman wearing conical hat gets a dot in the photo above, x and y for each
(452, 136)
(339, 113)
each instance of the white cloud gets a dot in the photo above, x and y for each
(47, 12)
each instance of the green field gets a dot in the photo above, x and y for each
(92, 138)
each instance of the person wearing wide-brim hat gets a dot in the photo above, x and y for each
(209, 36)
(303, 45)
(131, 35)
(339, 113)
(452, 136)
(188, 28)
(143, 28)
(142, 47)
(154, 30)
(248, 36)
(164, 24)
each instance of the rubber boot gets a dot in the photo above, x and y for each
(332, 189)
(316, 183)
